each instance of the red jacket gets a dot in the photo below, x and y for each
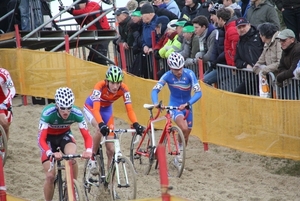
(91, 7)
(230, 42)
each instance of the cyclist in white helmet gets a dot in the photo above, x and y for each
(181, 82)
(55, 131)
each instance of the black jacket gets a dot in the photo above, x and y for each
(249, 48)
(164, 12)
(286, 3)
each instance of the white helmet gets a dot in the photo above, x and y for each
(64, 97)
(175, 60)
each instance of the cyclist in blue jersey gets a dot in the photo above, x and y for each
(181, 83)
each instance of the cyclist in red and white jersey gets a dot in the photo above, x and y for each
(7, 92)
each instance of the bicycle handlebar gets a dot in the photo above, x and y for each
(118, 132)
(65, 157)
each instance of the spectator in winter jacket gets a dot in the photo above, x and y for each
(190, 9)
(290, 11)
(270, 57)
(245, 5)
(262, 11)
(290, 56)
(124, 20)
(161, 11)
(213, 13)
(84, 7)
(189, 49)
(227, 20)
(249, 49)
(172, 6)
(232, 4)
(136, 28)
(151, 22)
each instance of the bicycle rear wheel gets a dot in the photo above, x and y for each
(174, 162)
(77, 189)
(142, 161)
(3, 145)
(91, 183)
(126, 189)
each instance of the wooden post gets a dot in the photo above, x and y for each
(70, 179)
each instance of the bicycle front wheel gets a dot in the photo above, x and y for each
(123, 172)
(77, 191)
(3, 145)
(175, 157)
(91, 183)
(141, 153)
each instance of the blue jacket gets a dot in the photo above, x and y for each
(148, 28)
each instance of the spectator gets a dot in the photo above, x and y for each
(270, 57)
(249, 49)
(213, 13)
(206, 33)
(189, 49)
(290, 56)
(204, 9)
(189, 11)
(172, 6)
(245, 5)
(124, 20)
(227, 20)
(151, 22)
(84, 7)
(291, 14)
(180, 3)
(132, 5)
(25, 15)
(172, 43)
(232, 4)
(161, 11)
(262, 11)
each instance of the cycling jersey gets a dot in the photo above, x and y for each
(102, 99)
(8, 90)
(180, 89)
(51, 123)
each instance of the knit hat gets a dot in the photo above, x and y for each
(188, 28)
(286, 33)
(136, 13)
(180, 22)
(241, 21)
(172, 24)
(213, 10)
(147, 8)
(121, 10)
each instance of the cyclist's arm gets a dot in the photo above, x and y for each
(196, 88)
(8, 83)
(127, 100)
(156, 89)
(88, 140)
(42, 138)
(95, 97)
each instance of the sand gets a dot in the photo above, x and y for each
(218, 174)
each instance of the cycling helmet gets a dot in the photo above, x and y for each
(114, 74)
(64, 97)
(175, 61)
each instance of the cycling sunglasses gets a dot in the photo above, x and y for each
(65, 108)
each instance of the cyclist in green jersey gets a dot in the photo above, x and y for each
(55, 132)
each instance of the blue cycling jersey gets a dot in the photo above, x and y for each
(180, 88)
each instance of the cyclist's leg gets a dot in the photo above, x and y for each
(183, 124)
(110, 146)
(50, 176)
(68, 146)
(5, 121)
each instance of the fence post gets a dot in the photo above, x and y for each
(163, 173)
(2, 180)
(155, 68)
(123, 58)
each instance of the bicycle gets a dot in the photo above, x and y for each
(3, 140)
(62, 184)
(120, 179)
(143, 151)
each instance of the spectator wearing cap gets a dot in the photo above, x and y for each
(85, 7)
(189, 49)
(262, 11)
(270, 57)
(151, 22)
(124, 20)
(213, 13)
(172, 6)
(248, 50)
(290, 56)
(136, 28)
(227, 20)
(291, 14)
(161, 11)
(172, 43)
